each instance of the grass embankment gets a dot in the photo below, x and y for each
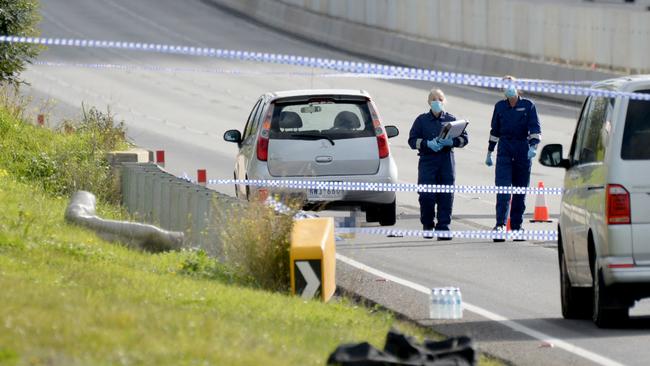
(67, 297)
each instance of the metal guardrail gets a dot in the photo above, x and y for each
(156, 197)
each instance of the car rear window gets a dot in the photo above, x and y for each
(328, 118)
(636, 137)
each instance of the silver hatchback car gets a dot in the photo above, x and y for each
(318, 135)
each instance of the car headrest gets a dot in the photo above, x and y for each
(290, 120)
(347, 120)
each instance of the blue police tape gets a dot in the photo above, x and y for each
(338, 65)
(281, 208)
(385, 187)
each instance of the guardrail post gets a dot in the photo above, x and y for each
(313, 258)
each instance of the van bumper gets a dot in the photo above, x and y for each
(633, 275)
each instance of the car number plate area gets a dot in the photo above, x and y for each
(318, 194)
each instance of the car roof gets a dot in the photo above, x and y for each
(625, 83)
(317, 92)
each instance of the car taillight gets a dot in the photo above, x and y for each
(382, 144)
(263, 139)
(618, 205)
(382, 139)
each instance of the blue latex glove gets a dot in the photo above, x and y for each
(447, 142)
(434, 145)
(488, 159)
(532, 152)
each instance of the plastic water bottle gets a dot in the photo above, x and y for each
(451, 303)
(434, 309)
(458, 304)
(446, 304)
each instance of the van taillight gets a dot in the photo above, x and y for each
(618, 205)
(263, 139)
(382, 144)
(382, 138)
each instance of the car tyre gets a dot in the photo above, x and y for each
(372, 213)
(576, 301)
(604, 316)
(388, 214)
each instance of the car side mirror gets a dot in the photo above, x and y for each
(391, 131)
(551, 156)
(232, 136)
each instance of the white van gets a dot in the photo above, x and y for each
(604, 226)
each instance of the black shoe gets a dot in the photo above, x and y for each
(499, 229)
(443, 238)
(518, 233)
(428, 235)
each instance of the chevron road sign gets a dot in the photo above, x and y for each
(308, 283)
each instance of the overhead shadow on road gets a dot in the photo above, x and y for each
(405, 216)
(433, 243)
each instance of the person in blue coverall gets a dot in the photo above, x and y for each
(517, 131)
(436, 165)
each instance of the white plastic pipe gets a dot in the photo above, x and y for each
(81, 211)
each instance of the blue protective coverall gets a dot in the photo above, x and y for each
(515, 129)
(434, 168)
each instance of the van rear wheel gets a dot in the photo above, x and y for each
(604, 315)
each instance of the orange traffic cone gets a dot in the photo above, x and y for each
(541, 209)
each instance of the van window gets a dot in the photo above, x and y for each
(574, 153)
(636, 137)
(592, 147)
(332, 119)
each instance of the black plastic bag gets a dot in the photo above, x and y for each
(403, 350)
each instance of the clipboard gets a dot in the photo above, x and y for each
(453, 129)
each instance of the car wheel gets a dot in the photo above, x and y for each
(372, 213)
(604, 316)
(388, 214)
(576, 301)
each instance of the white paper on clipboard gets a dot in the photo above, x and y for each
(453, 129)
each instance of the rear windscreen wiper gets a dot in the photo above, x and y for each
(305, 136)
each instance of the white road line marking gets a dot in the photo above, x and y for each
(591, 356)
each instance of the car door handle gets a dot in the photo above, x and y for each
(593, 188)
(324, 159)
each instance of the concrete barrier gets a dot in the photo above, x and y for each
(404, 34)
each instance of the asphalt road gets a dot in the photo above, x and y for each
(185, 112)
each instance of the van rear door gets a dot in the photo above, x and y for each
(635, 153)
